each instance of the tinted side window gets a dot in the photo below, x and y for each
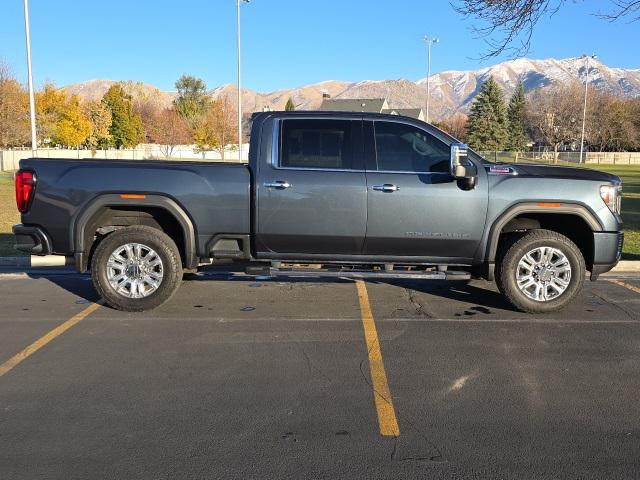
(405, 148)
(308, 143)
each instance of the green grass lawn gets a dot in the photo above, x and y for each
(630, 175)
(630, 210)
(9, 215)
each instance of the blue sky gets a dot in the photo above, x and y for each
(287, 43)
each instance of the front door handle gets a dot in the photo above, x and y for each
(387, 188)
(279, 184)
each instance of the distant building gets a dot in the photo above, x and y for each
(407, 112)
(368, 105)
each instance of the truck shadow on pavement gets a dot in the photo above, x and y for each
(483, 298)
(476, 298)
(77, 284)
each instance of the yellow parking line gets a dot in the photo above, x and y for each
(381, 393)
(625, 285)
(42, 341)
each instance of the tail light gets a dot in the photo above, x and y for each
(25, 185)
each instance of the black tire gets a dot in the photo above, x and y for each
(151, 237)
(507, 270)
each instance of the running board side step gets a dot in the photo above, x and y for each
(321, 273)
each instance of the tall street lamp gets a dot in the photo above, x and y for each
(429, 41)
(238, 2)
(586, 58)
(32, 102)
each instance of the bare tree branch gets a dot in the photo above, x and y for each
(508, 25)
(622, 8)
(506, 22)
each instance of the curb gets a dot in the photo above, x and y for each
(625, 266)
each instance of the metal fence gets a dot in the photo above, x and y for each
(551, 158)
(9, 159)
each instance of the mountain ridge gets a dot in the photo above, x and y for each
(452, 90)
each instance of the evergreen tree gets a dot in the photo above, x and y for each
(517, 137)
(290, 106)
(126, 125)
(488, 119)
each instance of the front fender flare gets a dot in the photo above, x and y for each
(512, 212)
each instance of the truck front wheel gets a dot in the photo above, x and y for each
(136, 268)
(541, 272)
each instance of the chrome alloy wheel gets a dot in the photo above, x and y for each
(543, 274)
(134, 270)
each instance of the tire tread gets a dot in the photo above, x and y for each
(166, 247)
(513, 252)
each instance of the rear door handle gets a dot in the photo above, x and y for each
(279, 184)
(387, 188)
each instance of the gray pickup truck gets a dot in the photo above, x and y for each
(326, 194)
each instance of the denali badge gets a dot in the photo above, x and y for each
(437, 235)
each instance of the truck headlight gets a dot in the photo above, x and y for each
(612, 196)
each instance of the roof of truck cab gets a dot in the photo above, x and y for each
(321, 113)
(263, 116)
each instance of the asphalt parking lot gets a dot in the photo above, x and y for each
(270, 378)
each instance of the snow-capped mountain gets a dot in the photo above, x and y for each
(454, 90)
(451, 91)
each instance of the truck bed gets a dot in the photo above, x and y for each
(216, 196)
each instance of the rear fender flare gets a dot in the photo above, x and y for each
(80, 243)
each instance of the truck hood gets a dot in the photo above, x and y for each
(569, 173)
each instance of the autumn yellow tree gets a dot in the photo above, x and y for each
(14, 110)
(217, 132)
(49, 104)
(100, 117)
(61, 119)
(73, 128)
(147, 103)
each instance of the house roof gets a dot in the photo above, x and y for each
(369, 105)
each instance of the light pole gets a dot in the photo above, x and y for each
(238, 2)
(429, 41)
(32, 102)
(584, 112)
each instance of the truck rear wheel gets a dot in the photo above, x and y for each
(541, 272)
(136, 268)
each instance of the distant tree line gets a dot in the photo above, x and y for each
(550, 116)
(128, 115)
(125, 117)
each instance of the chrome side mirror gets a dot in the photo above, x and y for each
(463, 169)
(459, 160)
